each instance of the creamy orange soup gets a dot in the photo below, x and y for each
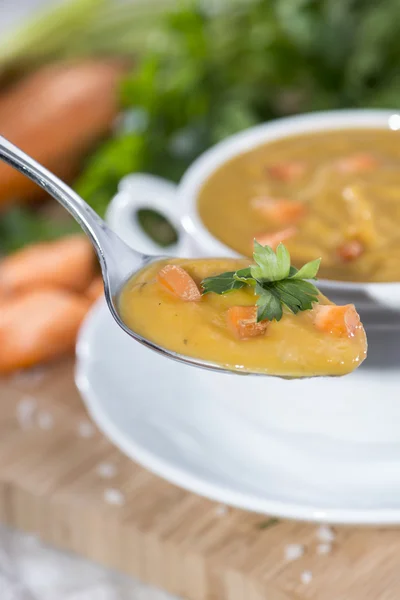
(207, 326)
(335, 195)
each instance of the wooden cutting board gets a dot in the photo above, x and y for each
(61, 479)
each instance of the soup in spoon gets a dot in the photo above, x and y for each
(264, 318)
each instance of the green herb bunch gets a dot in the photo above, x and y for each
(219, 66)
(276, 283)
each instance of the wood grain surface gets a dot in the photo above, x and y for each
(60, 478)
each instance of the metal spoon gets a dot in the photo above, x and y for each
(119, 262)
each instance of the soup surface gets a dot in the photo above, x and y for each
(222, 329)
(335, 195)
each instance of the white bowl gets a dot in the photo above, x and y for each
(179, 203)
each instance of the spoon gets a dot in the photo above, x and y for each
(119, 262)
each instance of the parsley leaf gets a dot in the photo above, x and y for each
(268, 304)
(245, 276)
(276, 283)
(221, 284)
(307, 271)
(296, 295)
(271, 266)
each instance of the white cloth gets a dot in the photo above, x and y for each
(29, 570)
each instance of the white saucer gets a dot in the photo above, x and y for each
(323, 450)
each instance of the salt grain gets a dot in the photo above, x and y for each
(306, 577)
(106, 470)
(45, 420)
(325, 534)
(221, 510)
(294, 551)
(324, 548)
(114, 496)
(86, 429)
(26, 408)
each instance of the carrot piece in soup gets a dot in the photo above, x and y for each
(358, 163)
(38, 326)
(350, 250)
(67, 263)
(242, 320)
(95, 289)
(178, 281)
(287, 171)
(274, 239)
(338, 320)
(279, 210)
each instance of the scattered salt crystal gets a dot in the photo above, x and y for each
(221, 510)
(114, 496)
(106, 470)
(325, 534)
(294, 551)
(45, 420)
(306, 577)
(26, 408)
(324, 548)
(86, 429)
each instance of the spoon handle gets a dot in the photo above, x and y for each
(109, 247)
(74, 204)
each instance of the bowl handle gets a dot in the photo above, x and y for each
(142, 191)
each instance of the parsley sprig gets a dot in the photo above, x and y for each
(274, 280)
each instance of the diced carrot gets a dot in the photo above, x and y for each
(95, 289)
(287, 171)
(350, 250)
(338, 320)
(358, 163)
(275, 238)
(67, 263)
(38, 326)
(279, 210)
(242, 320)
(178, 281)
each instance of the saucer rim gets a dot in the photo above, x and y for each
(197, 484)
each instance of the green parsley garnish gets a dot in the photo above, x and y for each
(274, 280)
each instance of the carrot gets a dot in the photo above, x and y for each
(350, 250)
(38, 326)
(275, 238)
(67, 263)
(55, 115)
(178, 281)
(279, 210)
(287, 171)
(95, 289)
(242, 320)
(358, 163)
(338, 320)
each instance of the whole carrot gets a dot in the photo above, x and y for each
(39, 326)
(56, 114)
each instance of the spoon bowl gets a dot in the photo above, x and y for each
(118, 261)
